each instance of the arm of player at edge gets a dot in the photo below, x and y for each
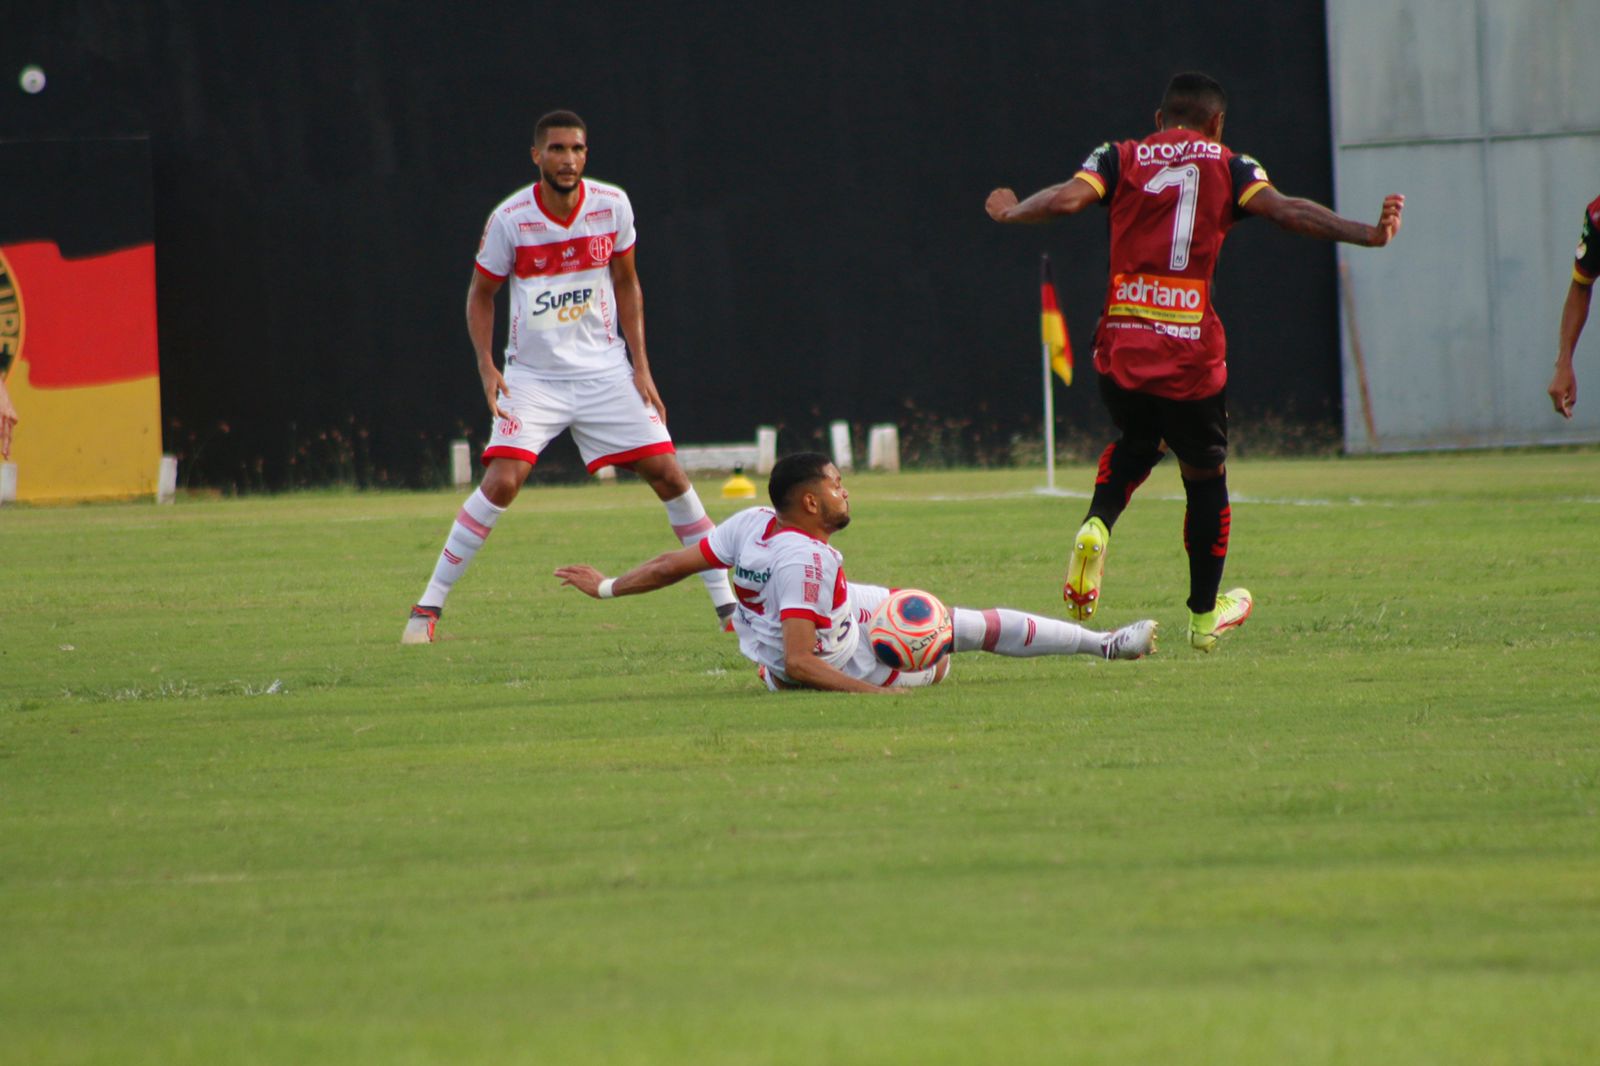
(668, 568)
(1574, 313)
(1067, 198)
(1310, 219)
(480, 328)
(630, 314)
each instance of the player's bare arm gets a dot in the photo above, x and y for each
(480, 328)
(1310, 219)
(666, 569)
(803, 666)
(1574, 313)
(1068, 198)
(630, 312)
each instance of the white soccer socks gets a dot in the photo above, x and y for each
(1021, 635)
(691, 525)
(471, 528)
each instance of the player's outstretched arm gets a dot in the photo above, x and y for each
(1310, 219)
(1574, 313)
(1068, 198)
(480, 328)
(803, 666)
(666, 569)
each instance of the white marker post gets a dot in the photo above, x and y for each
(839, 436)
(766, 449)
(8, 482)
(460, 463)
(167, 479)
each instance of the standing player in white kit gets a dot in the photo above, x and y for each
(577, 315)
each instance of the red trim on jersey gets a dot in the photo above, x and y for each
(776, 526)
(888, 682)
(564, 257)
(538, 198)
(503, 451)
(486, 272)
(822, 621)
(711, 556)
(623, 458)
(1094, 179)
(626, 251)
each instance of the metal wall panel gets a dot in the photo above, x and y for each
(1485, 116)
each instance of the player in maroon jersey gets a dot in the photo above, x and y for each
(1575, 312)
(1159, 350)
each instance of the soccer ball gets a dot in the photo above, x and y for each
(911, 630)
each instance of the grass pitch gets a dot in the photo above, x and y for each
(239, 823)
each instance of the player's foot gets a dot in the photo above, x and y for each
(1133, 641)
(1081, 589)
(1233, 607)
(725, 617)
(419, 627)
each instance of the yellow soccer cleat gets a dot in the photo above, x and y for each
(1081, 589)
(1232, 608)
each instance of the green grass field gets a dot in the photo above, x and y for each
(239, 823)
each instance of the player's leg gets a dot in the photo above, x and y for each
(1198, 433)
(690, 523)
(1021, 635)
(1124, 465)
(514, 446)
(613, 428)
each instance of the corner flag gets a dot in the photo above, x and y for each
(1052, 327)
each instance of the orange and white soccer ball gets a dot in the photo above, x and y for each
(911, 630)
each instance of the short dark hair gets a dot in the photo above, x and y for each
(793, 471)
(557, 120)
(1193, 99)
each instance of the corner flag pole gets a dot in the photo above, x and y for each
(1049, 421)
(1057, 350)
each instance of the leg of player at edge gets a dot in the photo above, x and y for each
(1124, 466)
(690, 523)
(1021, 635)
(502, 481)
(1207, 521)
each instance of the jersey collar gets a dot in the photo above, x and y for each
(566, 223)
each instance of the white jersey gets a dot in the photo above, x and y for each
(564, 320)
(779, 572)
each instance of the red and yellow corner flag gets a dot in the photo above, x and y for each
(1052, 327)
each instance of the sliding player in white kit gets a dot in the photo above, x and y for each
(577, 315)
(800, 621)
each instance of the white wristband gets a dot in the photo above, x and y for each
(604, 591)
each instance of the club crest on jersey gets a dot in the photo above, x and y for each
(600, 249)
(509, 426)
(1158, 299)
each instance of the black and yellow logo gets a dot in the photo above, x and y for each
(10, 317)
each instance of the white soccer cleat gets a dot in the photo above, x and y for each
(1133, 641)
(420, 626)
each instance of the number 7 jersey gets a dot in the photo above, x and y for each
(1173, 197)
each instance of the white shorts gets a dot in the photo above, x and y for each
(610, 423)
(862, 664)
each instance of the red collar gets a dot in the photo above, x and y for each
(566, 223)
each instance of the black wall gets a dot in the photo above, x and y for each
(809, 189)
